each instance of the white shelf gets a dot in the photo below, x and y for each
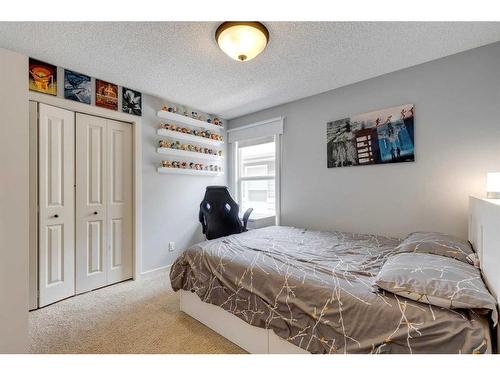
(192, 172)
(188, 137)
(188, 154)
(188, 121)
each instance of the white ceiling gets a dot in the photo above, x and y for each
(180, 61)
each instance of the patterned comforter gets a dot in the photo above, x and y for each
(314, 290)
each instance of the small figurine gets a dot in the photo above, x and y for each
(184, 165)
(167, 108)
(209, 120)
(220, 152)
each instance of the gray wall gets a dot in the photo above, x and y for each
(170, 203)
(457, 137)
(14, 209)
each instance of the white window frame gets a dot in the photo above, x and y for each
(260, 131)
(240, 179)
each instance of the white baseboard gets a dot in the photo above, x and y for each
(155, 270)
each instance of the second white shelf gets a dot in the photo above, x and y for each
(188, 137)
(188, 154)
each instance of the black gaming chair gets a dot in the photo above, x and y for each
(219, 214)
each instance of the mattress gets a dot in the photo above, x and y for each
(314, 290)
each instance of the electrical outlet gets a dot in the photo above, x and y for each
(171, 246)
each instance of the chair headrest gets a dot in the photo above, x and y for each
(216, 187)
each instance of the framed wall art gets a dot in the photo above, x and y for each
(42, 77)
(77, 87)
(379, 137)
(106, 95)
(131, 101)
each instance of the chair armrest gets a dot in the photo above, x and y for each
(246, 215)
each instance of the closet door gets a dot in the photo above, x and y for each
(56, 204)
(91, 198)
(119, 201)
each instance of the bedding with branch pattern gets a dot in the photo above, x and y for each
(314, 290)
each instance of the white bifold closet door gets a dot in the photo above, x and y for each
(103, 202)
(119, 201)
(56, 199)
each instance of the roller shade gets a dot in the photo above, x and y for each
(261, 129)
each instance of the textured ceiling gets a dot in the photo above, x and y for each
(180, 61)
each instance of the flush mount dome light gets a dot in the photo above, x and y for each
(242, 41)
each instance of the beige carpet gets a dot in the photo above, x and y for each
(130, 317)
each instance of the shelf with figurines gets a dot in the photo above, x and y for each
(188, 150)
(197, 136)
(178, 167)
(192, 119)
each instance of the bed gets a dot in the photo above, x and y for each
(291, 290)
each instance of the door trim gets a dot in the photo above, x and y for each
(136, 161)
(33, 204)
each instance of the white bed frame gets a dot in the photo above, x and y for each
(484, 234)
(254, 340)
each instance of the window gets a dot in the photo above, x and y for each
(256, 175)
(255, 160)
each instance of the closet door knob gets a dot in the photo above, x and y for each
(56, 215)
(95, 212)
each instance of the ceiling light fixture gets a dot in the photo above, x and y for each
(242, 41)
